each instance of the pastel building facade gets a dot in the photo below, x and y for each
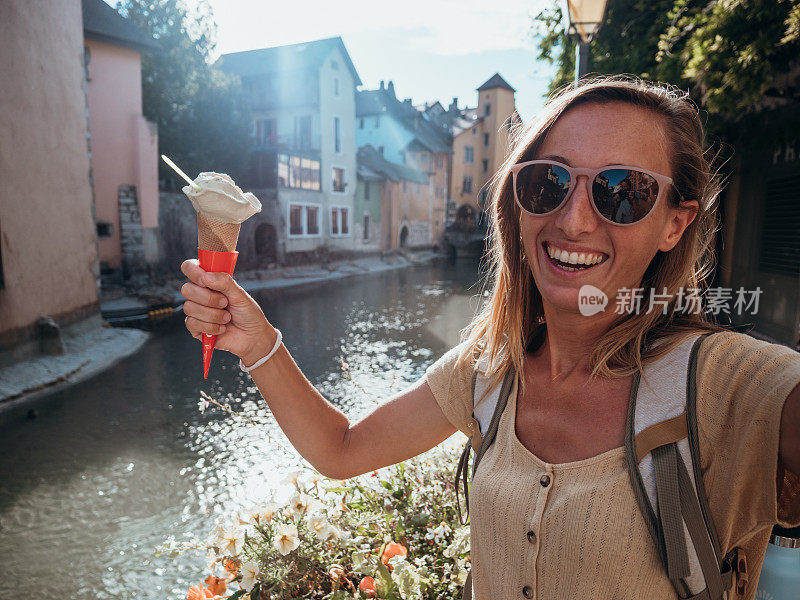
(48, 252)
(403, 135)
(301, 99)
(480, 145)
(123, 144)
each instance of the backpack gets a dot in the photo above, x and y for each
(662, 454)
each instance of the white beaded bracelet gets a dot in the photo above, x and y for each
(261, 361)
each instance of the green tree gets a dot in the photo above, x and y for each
(734, 56)
(201, 124)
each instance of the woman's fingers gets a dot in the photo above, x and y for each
(191, 268)
(203, 295)
(204, 313)
(196, 327)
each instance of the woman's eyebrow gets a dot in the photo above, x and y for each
(558, 158)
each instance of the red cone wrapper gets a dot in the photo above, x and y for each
(214, 262)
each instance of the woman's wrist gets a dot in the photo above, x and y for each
(262, 346)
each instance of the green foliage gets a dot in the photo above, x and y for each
(730, 54)
(200, 123)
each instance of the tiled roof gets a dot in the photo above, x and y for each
(495, 81)
(383, 101)
(292, 57)
(368, 158)
(103, 23)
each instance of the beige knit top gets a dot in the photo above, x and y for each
(582, 535)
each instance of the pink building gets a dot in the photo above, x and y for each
(123, 145)
(47, 240)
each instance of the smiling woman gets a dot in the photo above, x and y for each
(609, 191)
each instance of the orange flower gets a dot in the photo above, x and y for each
(367, 586)
(199, 593)
(231, 565)
(217, 585)
(393, 549)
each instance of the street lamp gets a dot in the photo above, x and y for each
(585, 18)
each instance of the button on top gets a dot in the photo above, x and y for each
(527, 591)
(545, 480)
(531, 537)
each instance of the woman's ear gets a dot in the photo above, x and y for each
(680, 218)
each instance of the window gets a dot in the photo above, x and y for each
(485, 139)
(377, 122)
(405, 186)
(366, 227)
(474, 131)
(380, 150)
(485, 165)
(303, 220)
(780, 240)
(298, 172)
(296, 220)
(340, 224)
(336, 86)
(312, 218)
(338, 179)
(302, 132)
(104, 229)
(266, 132)
(482, 197)
(466, 187)
(366, 190)
(469, 154)
(439, 161)
(488, 109)
(361, 123)
(337, 135)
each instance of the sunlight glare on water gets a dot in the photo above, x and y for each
(114, 465)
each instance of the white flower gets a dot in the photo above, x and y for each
(293, 478)
(263, 514)
(211, 558)
(286, 539)
(202, 405)
(231, 540)
(406, 577)
(438, 534)
(302, 504)
(322, 528)
(460, 543)
(250, 571)
(314, 478)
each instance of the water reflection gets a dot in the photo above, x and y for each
(114, 465)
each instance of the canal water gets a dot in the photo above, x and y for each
(112, 466)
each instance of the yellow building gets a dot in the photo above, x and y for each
(480, 144)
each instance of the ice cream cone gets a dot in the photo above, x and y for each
(214, 262)
(215, 235)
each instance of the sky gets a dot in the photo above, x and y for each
(431, 49)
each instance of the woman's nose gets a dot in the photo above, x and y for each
(578, 215)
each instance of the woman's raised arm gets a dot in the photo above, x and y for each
(404, 426)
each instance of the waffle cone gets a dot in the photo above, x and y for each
(215, 235)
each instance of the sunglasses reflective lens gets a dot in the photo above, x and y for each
(624, 195)
(541, 188)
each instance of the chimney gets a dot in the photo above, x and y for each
(453, 105)
(381, 84)
(391, 88)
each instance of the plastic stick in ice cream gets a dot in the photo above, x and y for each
(221, 209)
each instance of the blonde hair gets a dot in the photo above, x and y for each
(513, 315)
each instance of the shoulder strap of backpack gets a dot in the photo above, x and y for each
(673, 503)
(486, 440)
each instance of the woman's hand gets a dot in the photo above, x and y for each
(215, 304)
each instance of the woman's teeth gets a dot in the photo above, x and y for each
(573, 261)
